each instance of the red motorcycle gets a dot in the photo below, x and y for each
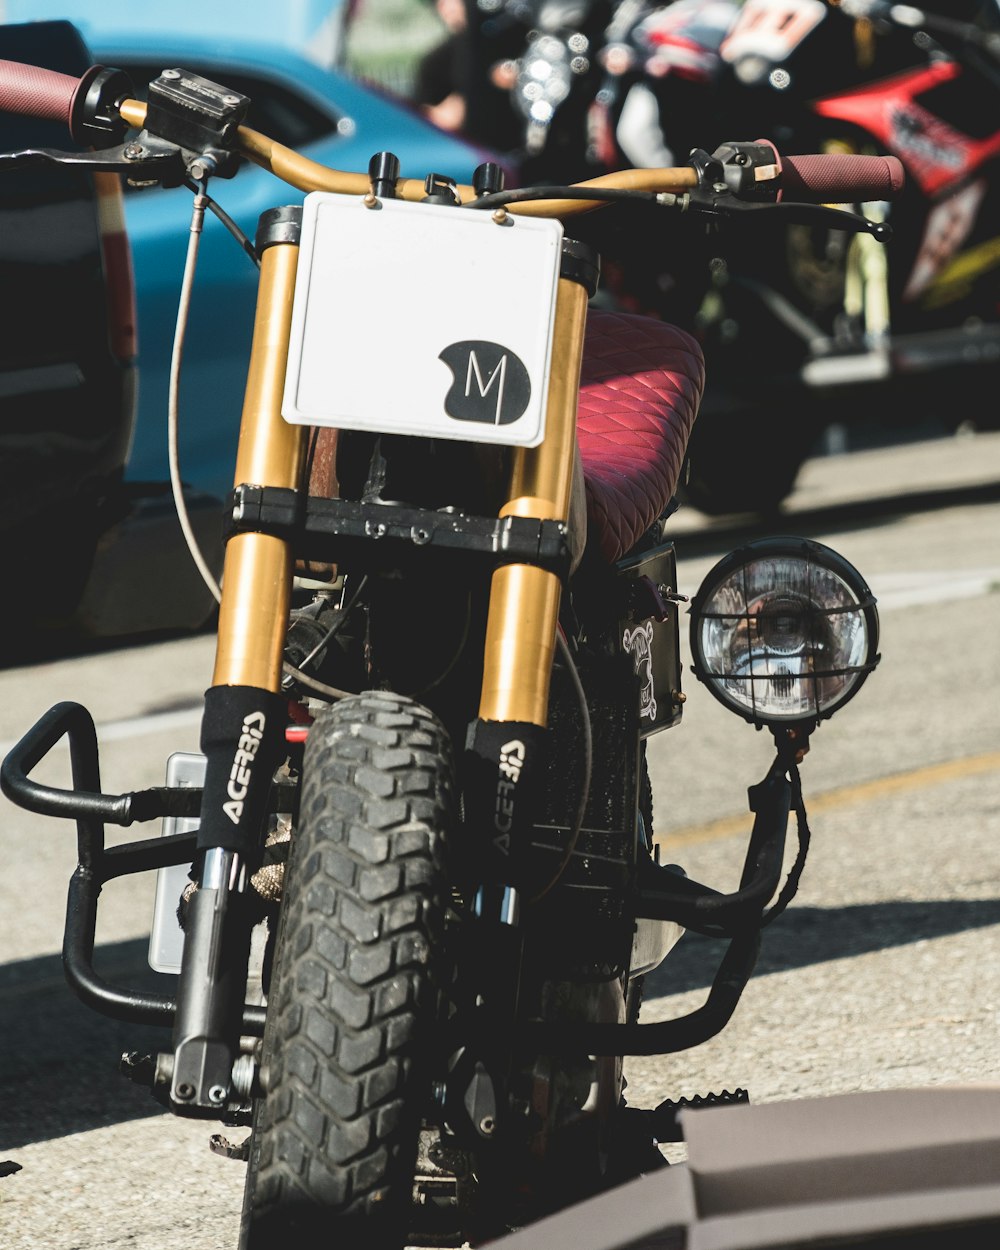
(862, 334)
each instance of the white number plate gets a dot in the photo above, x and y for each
(423, 320)
(166, 939)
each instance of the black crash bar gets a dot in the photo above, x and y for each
(665, 1037)
(661, 894)
(665, 894)
(97, 863)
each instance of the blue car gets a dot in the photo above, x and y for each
(280, 57)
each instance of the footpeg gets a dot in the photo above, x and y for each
(222, 1146)
(662, 1123)
(146, 1070)
(139, 1068)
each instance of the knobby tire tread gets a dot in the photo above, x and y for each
(352, 1000)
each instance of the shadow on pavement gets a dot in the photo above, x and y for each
(812, 935)
(49, 645)
(719, 537)
(59, 1060)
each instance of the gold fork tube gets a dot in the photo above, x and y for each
(257, 574)
(524, 600)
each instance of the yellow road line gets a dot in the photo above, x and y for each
(916, 779)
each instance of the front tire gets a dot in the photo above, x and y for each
(351, 1013)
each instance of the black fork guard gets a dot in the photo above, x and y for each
(659, 893)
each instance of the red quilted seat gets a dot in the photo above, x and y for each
(640, 388)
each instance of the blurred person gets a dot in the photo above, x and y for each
(442, 79)
(463, 82)
(666, 59)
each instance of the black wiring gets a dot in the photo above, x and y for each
(456, 654)
(522, 195)
(335, 628)
(313, 683)
(588, 762)
(789, 889)
(307, 468)
(242, 239)
(781, 766)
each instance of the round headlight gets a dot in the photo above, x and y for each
(784, 630)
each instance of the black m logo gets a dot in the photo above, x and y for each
(491, 383)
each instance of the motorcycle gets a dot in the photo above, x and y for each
(865, 334)
(533, 76)
(419, 884)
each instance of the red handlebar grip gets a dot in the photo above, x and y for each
(36, 92)
(840, 178)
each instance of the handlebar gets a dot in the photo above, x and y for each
(835, 178)
(308, 175)
(36, 92)
(840, 178)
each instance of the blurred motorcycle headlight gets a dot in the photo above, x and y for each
(784, 630)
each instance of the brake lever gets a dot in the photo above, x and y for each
(143, 160)
(722, 205)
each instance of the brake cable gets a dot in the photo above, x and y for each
(173, 399)
(588, 762)
(234, 229)
(202, 201)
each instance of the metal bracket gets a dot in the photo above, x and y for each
(385, 535)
